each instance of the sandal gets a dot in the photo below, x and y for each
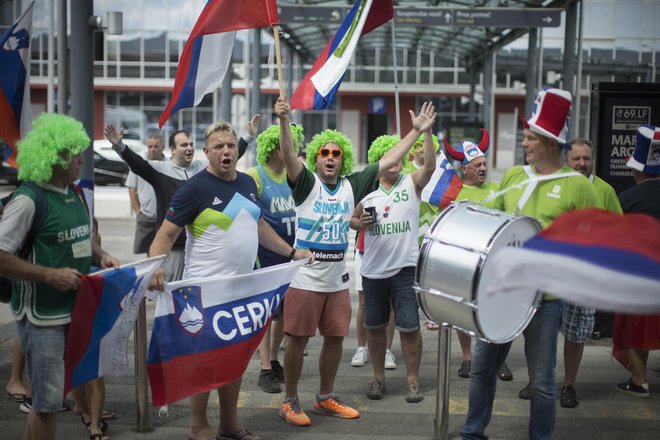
(237, 436)
(104, 424)
(414, 393)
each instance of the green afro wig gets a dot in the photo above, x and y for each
(381, 145)
(436, 143)
(44, 145)
(269, 141)
(334, 136)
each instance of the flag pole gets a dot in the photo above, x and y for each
(396, 81)
(278, 58)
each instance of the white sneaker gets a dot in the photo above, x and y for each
(360, 357)
(390, 360)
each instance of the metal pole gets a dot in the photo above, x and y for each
(532, 70)
(225, 95)
(62, 68)
(50, 90)
(578, 85)
(82, 75)
(396, 82)
(472, 105)
(143, 422)
(570, 59)
(442, 399)
(540, 74)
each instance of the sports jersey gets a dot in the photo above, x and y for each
(63, 240)
(605, 195)
(323, 216)
(478, 194)
(390, 243)
(278, 209)
(550, 198)
(221, 221)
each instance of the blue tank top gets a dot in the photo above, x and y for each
(278, 209)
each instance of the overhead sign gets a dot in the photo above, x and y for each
(481, 17)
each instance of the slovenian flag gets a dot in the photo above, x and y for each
(591, 258)
(15, 108)
(444, 186)
(207, 53)
(103, 316)
(206, 331)
(318, 88)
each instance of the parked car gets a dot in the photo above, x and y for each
(109, 168)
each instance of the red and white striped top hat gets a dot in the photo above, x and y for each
(551, 114)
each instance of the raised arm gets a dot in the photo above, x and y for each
(135, 162)
(421, 123)
(291, 162)
(247, 138)
(422, 176)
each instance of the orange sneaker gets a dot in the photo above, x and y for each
(293, 414)
(333, 406)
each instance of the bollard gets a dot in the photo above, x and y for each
(141, 382)
(442, 399)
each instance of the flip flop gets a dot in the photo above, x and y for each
(237, 436)
(16, 397)
(104, 424)
(109, 415)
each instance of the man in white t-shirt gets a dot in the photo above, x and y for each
(143, 198)
(389, 217)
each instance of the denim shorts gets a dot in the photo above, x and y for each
(44, 355)
(577, 322)
(396, 290)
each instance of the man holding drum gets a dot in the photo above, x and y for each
(325, 195)
(544, 189)
(389, 218)
(475, 189)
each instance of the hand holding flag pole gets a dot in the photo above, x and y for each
(278, 59)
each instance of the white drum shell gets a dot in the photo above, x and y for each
(452, 272)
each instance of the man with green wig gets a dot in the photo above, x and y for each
(279, 212)
(45, 285)
(389, 218)
(325, 194)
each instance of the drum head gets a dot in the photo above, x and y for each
(502, 317)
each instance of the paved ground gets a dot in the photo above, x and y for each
(602, 414)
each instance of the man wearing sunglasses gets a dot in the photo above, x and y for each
(325, 195)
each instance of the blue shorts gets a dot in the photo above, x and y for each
(397, 290)
(44, 355)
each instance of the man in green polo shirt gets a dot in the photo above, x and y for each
(46, 283)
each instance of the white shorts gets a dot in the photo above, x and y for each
(358, 266)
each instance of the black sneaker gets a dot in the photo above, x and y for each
(631, 389)
(26, 405)
(504, 373)
(277, 370)
(464, 371)
(525, 393)
(569, 397)
(268, 383)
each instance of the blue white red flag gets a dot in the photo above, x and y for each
(15, 109)
(318, 88)
(207, 53)
(591, 258)
(102, 320)
(205, 331)
(444, 186)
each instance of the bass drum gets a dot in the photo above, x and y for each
(453, 272)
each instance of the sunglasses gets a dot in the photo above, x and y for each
(325, 152)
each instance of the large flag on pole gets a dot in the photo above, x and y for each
(15, 109)
(318, 88)
(103, 317)
(592, 258)
(205, 331)
(444, 186)
(207, 53)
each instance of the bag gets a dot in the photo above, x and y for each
(40, 208)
